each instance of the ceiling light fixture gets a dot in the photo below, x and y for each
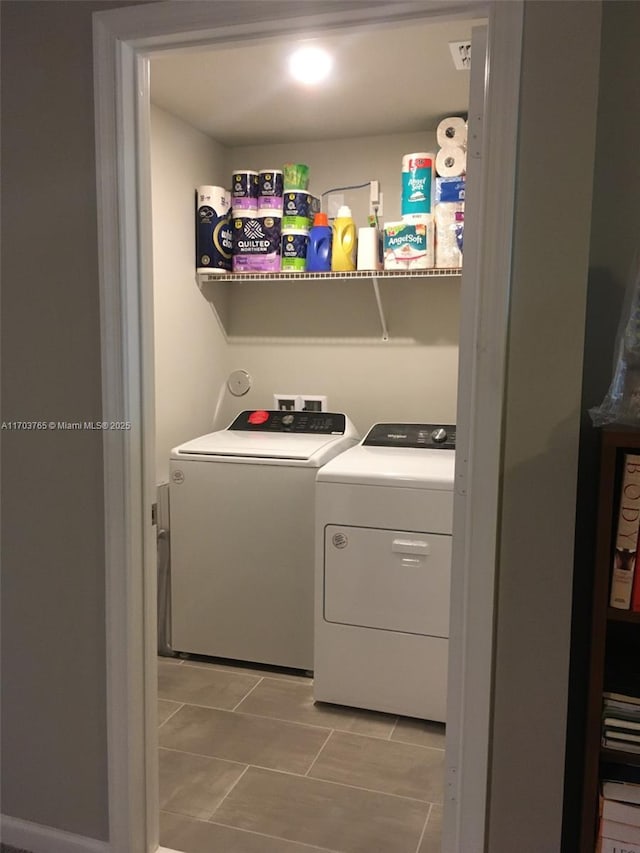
(310, 65)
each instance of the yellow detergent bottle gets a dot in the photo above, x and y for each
(343, 250)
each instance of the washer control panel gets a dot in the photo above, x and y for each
(267, 420)
(433, 436)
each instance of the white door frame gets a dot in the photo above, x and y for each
(123, 40)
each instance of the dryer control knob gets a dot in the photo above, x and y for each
(439, 435)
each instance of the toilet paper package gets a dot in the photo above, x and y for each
(450, 189)
(294, 249)
(251, 212)
(244, 189)
(213, 230)
(270, 189)
(452, 131)
(449, 222)
(270, 202)
(409, 245)
(256, 242)
(451, 162)
(297, 210)
(270, 183)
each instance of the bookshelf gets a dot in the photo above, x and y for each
(615, 634)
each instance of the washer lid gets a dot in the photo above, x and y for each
(407, 467)
(230, 445)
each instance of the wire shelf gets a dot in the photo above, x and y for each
(367, 275)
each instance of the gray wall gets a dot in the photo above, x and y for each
(416, 370)
(189, 348)
(54, 763)
(53, 665)
(535, 559)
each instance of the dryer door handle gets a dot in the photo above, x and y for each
(410, 546)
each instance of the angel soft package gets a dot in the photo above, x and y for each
(409, 245)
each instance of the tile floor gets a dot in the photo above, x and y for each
(248, 764)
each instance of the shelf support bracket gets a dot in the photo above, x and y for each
(383, 322)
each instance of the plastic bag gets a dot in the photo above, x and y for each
(621, 404)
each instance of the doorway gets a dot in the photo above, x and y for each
(132, 476)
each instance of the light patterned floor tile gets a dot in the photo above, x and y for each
(243, 738)
(381, 765)
(320, 813)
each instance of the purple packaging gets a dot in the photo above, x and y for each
(244, 189)
(270, 183)
(270, 202)
(256, 242)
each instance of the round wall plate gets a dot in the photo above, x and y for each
(239, 383)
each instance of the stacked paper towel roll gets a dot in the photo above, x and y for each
(451, 159)
(451, 162)
(451, 167)
(452, 131)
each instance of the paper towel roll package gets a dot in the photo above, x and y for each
(451, 162)
(417, 180)
(213, 231)
(449, 221)
(452, 131)
(368, 249)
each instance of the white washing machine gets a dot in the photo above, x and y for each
(242, 535)
(384, 513)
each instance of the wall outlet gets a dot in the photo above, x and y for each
(300, 403)
(377, 208)
(461, 54)
(287, 402)
(313, 403)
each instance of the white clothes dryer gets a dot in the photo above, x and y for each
(242, 535)
(384, 513)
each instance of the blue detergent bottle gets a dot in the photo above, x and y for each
(319, 247)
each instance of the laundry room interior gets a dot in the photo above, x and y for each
(242, 736)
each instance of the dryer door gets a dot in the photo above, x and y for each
(389, 579)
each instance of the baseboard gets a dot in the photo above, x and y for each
(46, 839)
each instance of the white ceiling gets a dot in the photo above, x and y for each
(387, 79)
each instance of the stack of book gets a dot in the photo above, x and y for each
(621, 721)
(625, 578)
(619, 828)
